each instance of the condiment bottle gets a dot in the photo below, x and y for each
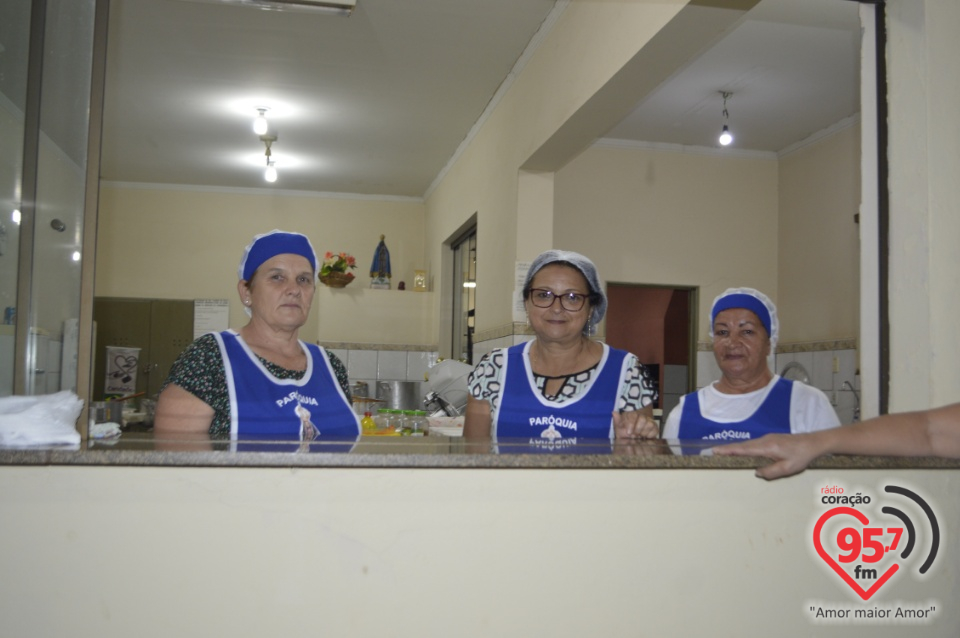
(367, 423)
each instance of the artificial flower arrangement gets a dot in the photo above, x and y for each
(334, 271)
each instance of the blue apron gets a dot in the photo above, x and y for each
(772, 416)
(264, 407)
(549, 427)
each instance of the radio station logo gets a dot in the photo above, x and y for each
(871, 542)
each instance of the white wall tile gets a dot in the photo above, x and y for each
(392, 365)
(821, 371)
(782, 360)
(362, 364)
(848, 366)
(418, 363)
(806, 360)
(707, 369)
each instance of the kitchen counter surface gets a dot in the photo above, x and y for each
(141, 449)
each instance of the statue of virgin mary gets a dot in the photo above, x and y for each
(380, 269)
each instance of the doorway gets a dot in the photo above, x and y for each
(464, 294)
(657, 324)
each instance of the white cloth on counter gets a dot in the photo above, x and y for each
(108, 430)
(47, 419)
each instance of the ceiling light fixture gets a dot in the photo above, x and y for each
(726, 137)
(260, 125)
(271, 173)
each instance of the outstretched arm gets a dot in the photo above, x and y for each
(933, 432)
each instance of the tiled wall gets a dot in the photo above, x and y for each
(371, 365)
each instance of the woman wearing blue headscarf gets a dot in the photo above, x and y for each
(749, 400)
(261, 381)
(563, 386)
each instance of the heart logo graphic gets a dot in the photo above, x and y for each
(854, 548)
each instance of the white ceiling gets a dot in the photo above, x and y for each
(377, 103)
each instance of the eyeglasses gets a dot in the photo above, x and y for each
(543, 298)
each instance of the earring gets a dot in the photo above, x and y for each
(246, 301)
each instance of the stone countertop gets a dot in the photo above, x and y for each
(139, 449)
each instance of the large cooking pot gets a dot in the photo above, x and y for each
(400, 395)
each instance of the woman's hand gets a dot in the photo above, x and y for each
(635, 424)
(791, 453)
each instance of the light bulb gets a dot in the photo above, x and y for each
(76, 255)
(271, 173)
(260, 122)
(726, 137)
(15, 217)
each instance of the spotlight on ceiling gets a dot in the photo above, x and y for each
(726, 137)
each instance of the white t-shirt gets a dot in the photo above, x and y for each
(810, 409)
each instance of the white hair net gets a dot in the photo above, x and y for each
(586, 268)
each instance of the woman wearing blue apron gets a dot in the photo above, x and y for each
(749, 400)
(261, 382)
(561, 391)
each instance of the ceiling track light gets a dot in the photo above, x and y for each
(260, 124)
(270, 174)
(726, 137)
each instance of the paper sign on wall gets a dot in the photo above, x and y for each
(121, 368)
(210, 315)
(519, 276)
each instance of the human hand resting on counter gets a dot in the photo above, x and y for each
(635, 424)
(791, 453)
(934, 432)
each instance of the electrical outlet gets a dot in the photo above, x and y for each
(836, 364)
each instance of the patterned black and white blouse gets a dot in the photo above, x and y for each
(639, 389)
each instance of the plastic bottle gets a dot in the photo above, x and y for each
(367, 423)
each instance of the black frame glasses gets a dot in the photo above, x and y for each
(570, 301)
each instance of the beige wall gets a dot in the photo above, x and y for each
(588, 44)
(186, 244)
(818, 246)
(672, 218)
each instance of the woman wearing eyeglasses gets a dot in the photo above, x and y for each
(562, 385)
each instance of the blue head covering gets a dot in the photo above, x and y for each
(752, 300)
(269, 245)
(586, 268)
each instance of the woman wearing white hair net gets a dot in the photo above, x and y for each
(749, 400)
(563, 385)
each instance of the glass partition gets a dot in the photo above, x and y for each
(45, 109)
